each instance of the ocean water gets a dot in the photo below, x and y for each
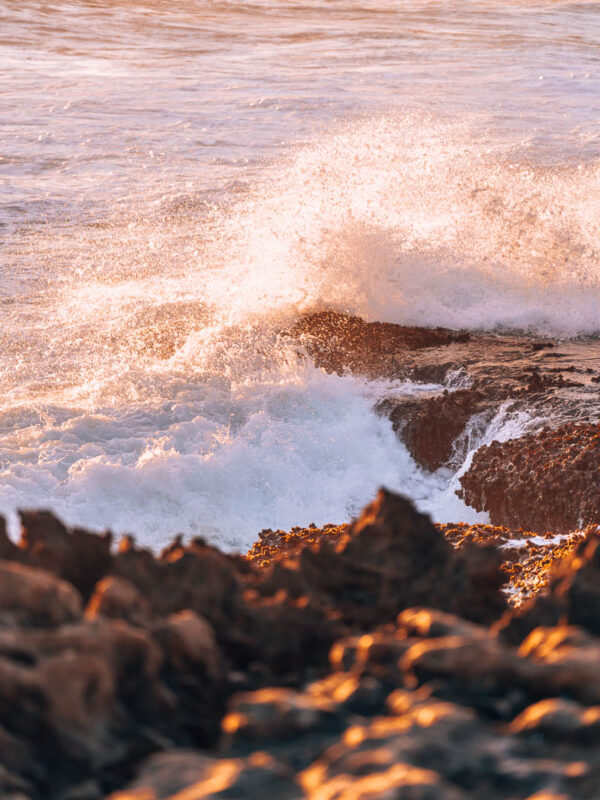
(181, 181)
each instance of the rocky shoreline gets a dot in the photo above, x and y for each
(383, 658)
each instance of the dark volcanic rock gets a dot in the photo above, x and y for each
(75, 555)
(339, 342)
(543, 481)
(166, 640)
(573, 595)
(36, 597)
(430, 426)
(394, 558)
(355, 665)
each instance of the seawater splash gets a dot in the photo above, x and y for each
(415, 221)
(146, 387)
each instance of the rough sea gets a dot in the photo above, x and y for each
(179, 182)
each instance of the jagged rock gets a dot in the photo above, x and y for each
(279, 545)
(395, 558)
(426, 737)
(573, 595)
(35, 597)
(559, 719)
(339, 342)
(117, 598)
(77, 556)
(357, 665)
(430, 426)
(543, 481)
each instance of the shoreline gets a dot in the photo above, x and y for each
(385, 657)
(248, 676)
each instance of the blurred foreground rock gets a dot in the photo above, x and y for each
(373, 660)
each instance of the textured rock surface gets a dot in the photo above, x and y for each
(163, 642)
(470, 376)
(372, 660)
(543, 481)
(429, 427)
(338, 342)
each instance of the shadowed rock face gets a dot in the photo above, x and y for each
(429, 427)
(371, 661)
(543, 481)
(147, 663)
(481, 373)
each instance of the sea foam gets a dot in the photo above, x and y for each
(147, 387)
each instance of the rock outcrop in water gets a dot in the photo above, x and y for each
(543, 481)
(339, 342)
(107, 657)
(363, 661)
(376, 659)
(430, 427)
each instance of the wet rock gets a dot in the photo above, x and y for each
(35, 597)
(430, 427)
(573, 594)
(339, 342)
(279, 545)
(542, 481)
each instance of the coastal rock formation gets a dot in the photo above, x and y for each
(479, 373)
(339, 342)
(431, 708)
(162, 642)
(371, 660)
(543, 481)
(430, 426)
(572, 596)
(529, 559)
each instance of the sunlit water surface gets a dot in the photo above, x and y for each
(181, 180)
